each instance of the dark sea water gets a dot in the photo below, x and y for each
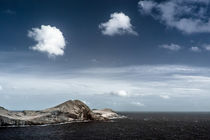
(164, 126)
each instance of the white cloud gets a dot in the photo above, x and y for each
(94, 60)
(172, 47)
(165, 96)
(122, 93)
(195, 49)
(188, 16)
(49, 40)
(206, 47)
(137, 103)
(146, 6)
(1, 87)
(118, 24)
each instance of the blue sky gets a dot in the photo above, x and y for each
(126, 55)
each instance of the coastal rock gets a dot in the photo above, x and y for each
(106, 113)
(69, 111)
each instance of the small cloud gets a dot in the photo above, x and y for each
(165, 96)
(9, 11)
(118, 24)
(94, 60)
(137, 103)
(146, 6)
(172, 47)
(121, 93)
(195, 49)
(49, 40)
(206, 47)
(1, 88)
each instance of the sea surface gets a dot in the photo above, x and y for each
(141, 125)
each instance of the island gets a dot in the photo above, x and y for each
(67, 112)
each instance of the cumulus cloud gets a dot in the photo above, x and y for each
(189, 16)
(49, 40)
(172, 47)
(118, 24)
(121, 93)
(195, 49)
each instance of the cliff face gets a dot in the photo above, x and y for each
(70, 111)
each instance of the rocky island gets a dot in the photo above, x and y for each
(69, 111)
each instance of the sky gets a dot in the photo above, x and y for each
(139, 55)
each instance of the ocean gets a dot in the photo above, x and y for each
(137, 126)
